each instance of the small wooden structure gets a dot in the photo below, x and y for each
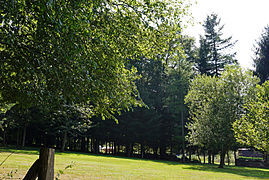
(249, 157)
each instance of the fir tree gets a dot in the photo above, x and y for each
(261, 60)
(214, 52)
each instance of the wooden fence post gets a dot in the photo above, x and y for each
(46, 164)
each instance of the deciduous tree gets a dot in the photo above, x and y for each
(253, 127)
(215, 103)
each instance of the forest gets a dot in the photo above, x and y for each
(121, 78)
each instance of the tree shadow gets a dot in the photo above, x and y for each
(242, 171)
(20, 150)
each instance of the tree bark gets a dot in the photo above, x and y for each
(46, 164)
(106, 148)
(190, 151)
(228, 158)
(113, 147)
(24, 135)
(213, 158)
(183, 135)
(18, 137)
(64, 142)
(96, 146)
(235, 158)
(266, 158)
(92, 149)
(222, 158)
(142, 150)
(198, 154)
(155, 151)
(4, 138)
(204, 155)
(209, 157)
(83, 144)
(33, 171)
(87, 144)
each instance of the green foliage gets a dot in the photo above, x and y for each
(215, 103)
(261, 60)
(61, 172)
(61, 52)
(253, 127)
(213, 53)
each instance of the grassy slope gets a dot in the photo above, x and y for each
(106, 167)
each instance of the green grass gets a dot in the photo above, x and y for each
(88, 166)
(251, 158)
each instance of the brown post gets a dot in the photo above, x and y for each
(46, 164)
(33, 171)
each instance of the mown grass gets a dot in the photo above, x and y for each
(89, 166)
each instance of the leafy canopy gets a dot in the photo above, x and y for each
(74, 52)
(215, 103)
(253, 127)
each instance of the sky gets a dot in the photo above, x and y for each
(244, 20)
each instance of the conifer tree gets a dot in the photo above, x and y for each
(214, 52)
(261, 61)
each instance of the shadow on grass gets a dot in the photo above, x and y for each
(18, 150)
(242, 171)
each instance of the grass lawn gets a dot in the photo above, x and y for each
(88, 166)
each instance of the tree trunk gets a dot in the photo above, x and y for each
(96, 146)
(266, 159)
(87, 144)
(24, 135)
(64, 142)
(204, 156)
(228, 158)
(46, 164)
(213, 158)
(18, 138)
(106, 148)
(235, 158)
(114, 147)
(190, 151)
(155, 151)
(162, 151)
(4, 138)
(127, 149)
(183, 135)
(222, 158)
(142, 150)
(209, 157)
(92, 145)
(83, 144)
(198, 154)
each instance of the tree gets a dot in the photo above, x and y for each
(57, 53)
(178, 81)
(213, 53)
(253, 127)
(215, 103)
(261, 60)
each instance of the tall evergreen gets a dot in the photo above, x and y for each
(214, 52)
(261, 60)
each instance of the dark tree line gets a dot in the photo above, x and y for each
(152, 131)
(155, 130)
